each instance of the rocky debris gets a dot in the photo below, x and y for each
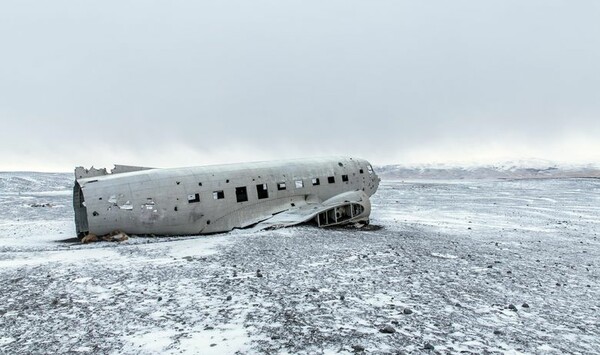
(358, 348)
(428, 346)
(188, 258)
(512, 307)
(37, 205)
(388, 329)
(258, 273)
(90, 238)
(525, 305)
(498, 332)
(228, 298)
(116, 236)
(407, 311)
(121, 237)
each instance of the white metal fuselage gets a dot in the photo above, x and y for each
(211, 199)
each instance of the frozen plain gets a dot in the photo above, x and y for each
(482, 266)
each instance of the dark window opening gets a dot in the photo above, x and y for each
(281, 186)
(194, 198)
(218, 195)
(208, 222)
(331, 179)
(178, 182)
(175, 209)
(345, 178)
(340, 164)
(241, 194)
(261, 190)
(362, 171)
(199, 184)
(316, 181)
(227, 181)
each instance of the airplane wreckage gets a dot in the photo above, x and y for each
(219, 198)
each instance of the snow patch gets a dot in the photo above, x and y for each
(6, 340)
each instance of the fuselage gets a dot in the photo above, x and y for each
(211, 199)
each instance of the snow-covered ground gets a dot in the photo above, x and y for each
(460, 266)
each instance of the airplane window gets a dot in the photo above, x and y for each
(331, 179)
(218, 195)
(315, 181)
(281, 186)
(193, 198)
(299, 184)
(261, 190)
(345, 178)
(241, 194)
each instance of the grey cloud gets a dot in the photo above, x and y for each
(85, 82)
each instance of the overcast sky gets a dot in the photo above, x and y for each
(175, 83)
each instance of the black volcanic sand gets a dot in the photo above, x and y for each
(471, 267)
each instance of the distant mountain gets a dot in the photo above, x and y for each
(522, 169)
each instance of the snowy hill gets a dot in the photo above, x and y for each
(29, 182)
(523, 169)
